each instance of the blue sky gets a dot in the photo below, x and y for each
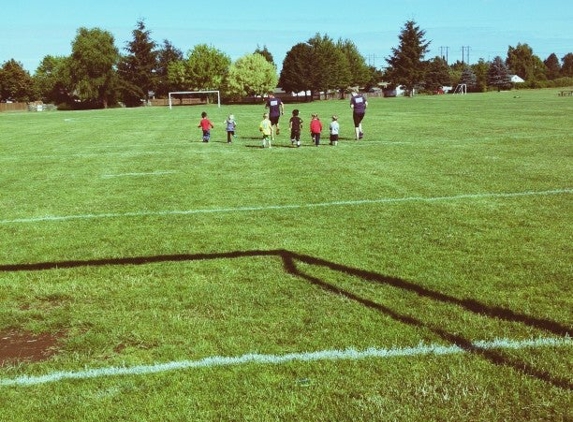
(32, 29)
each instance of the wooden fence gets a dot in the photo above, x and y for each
(13, 107)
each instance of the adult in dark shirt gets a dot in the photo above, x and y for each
(358, 105)
(276, 110)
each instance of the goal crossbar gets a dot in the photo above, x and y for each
(193, 92)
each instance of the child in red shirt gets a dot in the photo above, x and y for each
(206, 125)
(315, 129)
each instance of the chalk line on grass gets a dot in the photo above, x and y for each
(152, 173)
(266, 359)
(286, 207)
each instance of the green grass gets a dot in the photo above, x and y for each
(137, 244)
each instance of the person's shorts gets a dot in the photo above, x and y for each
(357, 117)
(274, 119)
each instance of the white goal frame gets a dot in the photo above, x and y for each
(194, 92)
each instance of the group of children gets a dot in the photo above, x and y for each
(267, 130)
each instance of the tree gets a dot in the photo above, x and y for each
(406, 65)
(567, 67)
(360, 72)
(295, 73)
(553, 67)
(53, 80)
(437, 74)
(522, 62)
(166, 55)
(329, 68)
(250, 75)
(498, 74)
(266, 54)
(137, 68)
(480, 69)
(94, 56)
(206, 67)
(469, 78)
(16, 84)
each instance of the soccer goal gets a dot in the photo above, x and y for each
(180, 94)
(461, 89)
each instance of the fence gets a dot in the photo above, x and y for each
(13, 107)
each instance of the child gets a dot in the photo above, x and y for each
(334, 129)
(295, 124)
(266, 128)
(315, 129)
(230, 125)
(206, 125)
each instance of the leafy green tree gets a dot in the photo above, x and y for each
(53, 80)
(567, 66)
(437, 74)
(521, 61)
(406, 65)
(137, 68)
(92, 63)
(553, 67)
(329, 68)
(206, 68)
(166, 55)
(16, 84)
(250, 75)
(360, 72)
(177, 76)
(295, 73)
(498, 74)
(266, 54)
(480, 69)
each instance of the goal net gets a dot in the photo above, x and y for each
(191, 97)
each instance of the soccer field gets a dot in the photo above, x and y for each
(423, 273)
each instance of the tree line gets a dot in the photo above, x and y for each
(97, 74)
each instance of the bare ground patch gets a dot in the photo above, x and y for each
(21, 346)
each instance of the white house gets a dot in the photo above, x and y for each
(516, 79)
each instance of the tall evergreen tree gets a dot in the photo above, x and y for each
(137, 68)
(567, 65)
(498, 74)
(553, 66)
(406, 65)
(166, 55)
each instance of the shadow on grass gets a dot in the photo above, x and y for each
(291, 259)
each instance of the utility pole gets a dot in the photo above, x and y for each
(442, 55)
(465, 50)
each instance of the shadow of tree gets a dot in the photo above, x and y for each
(290, 262)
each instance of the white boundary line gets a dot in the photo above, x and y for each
(153, 173)
(285, 207)
(261, 359)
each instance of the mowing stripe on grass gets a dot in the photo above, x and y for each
(285, 207)
(323, 355)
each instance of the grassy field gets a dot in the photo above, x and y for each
(421, 274)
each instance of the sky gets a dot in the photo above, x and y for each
(459, 30)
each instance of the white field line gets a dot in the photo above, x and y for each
(261, 359)
(153, 173)
(285, 207)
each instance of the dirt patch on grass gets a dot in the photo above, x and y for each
(20, 346)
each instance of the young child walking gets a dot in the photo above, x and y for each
(334, 129)
(265, 127)
(230, 125)
(206, 125)
(315, 129)
(295, 125)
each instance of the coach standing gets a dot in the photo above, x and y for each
(358, 105)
